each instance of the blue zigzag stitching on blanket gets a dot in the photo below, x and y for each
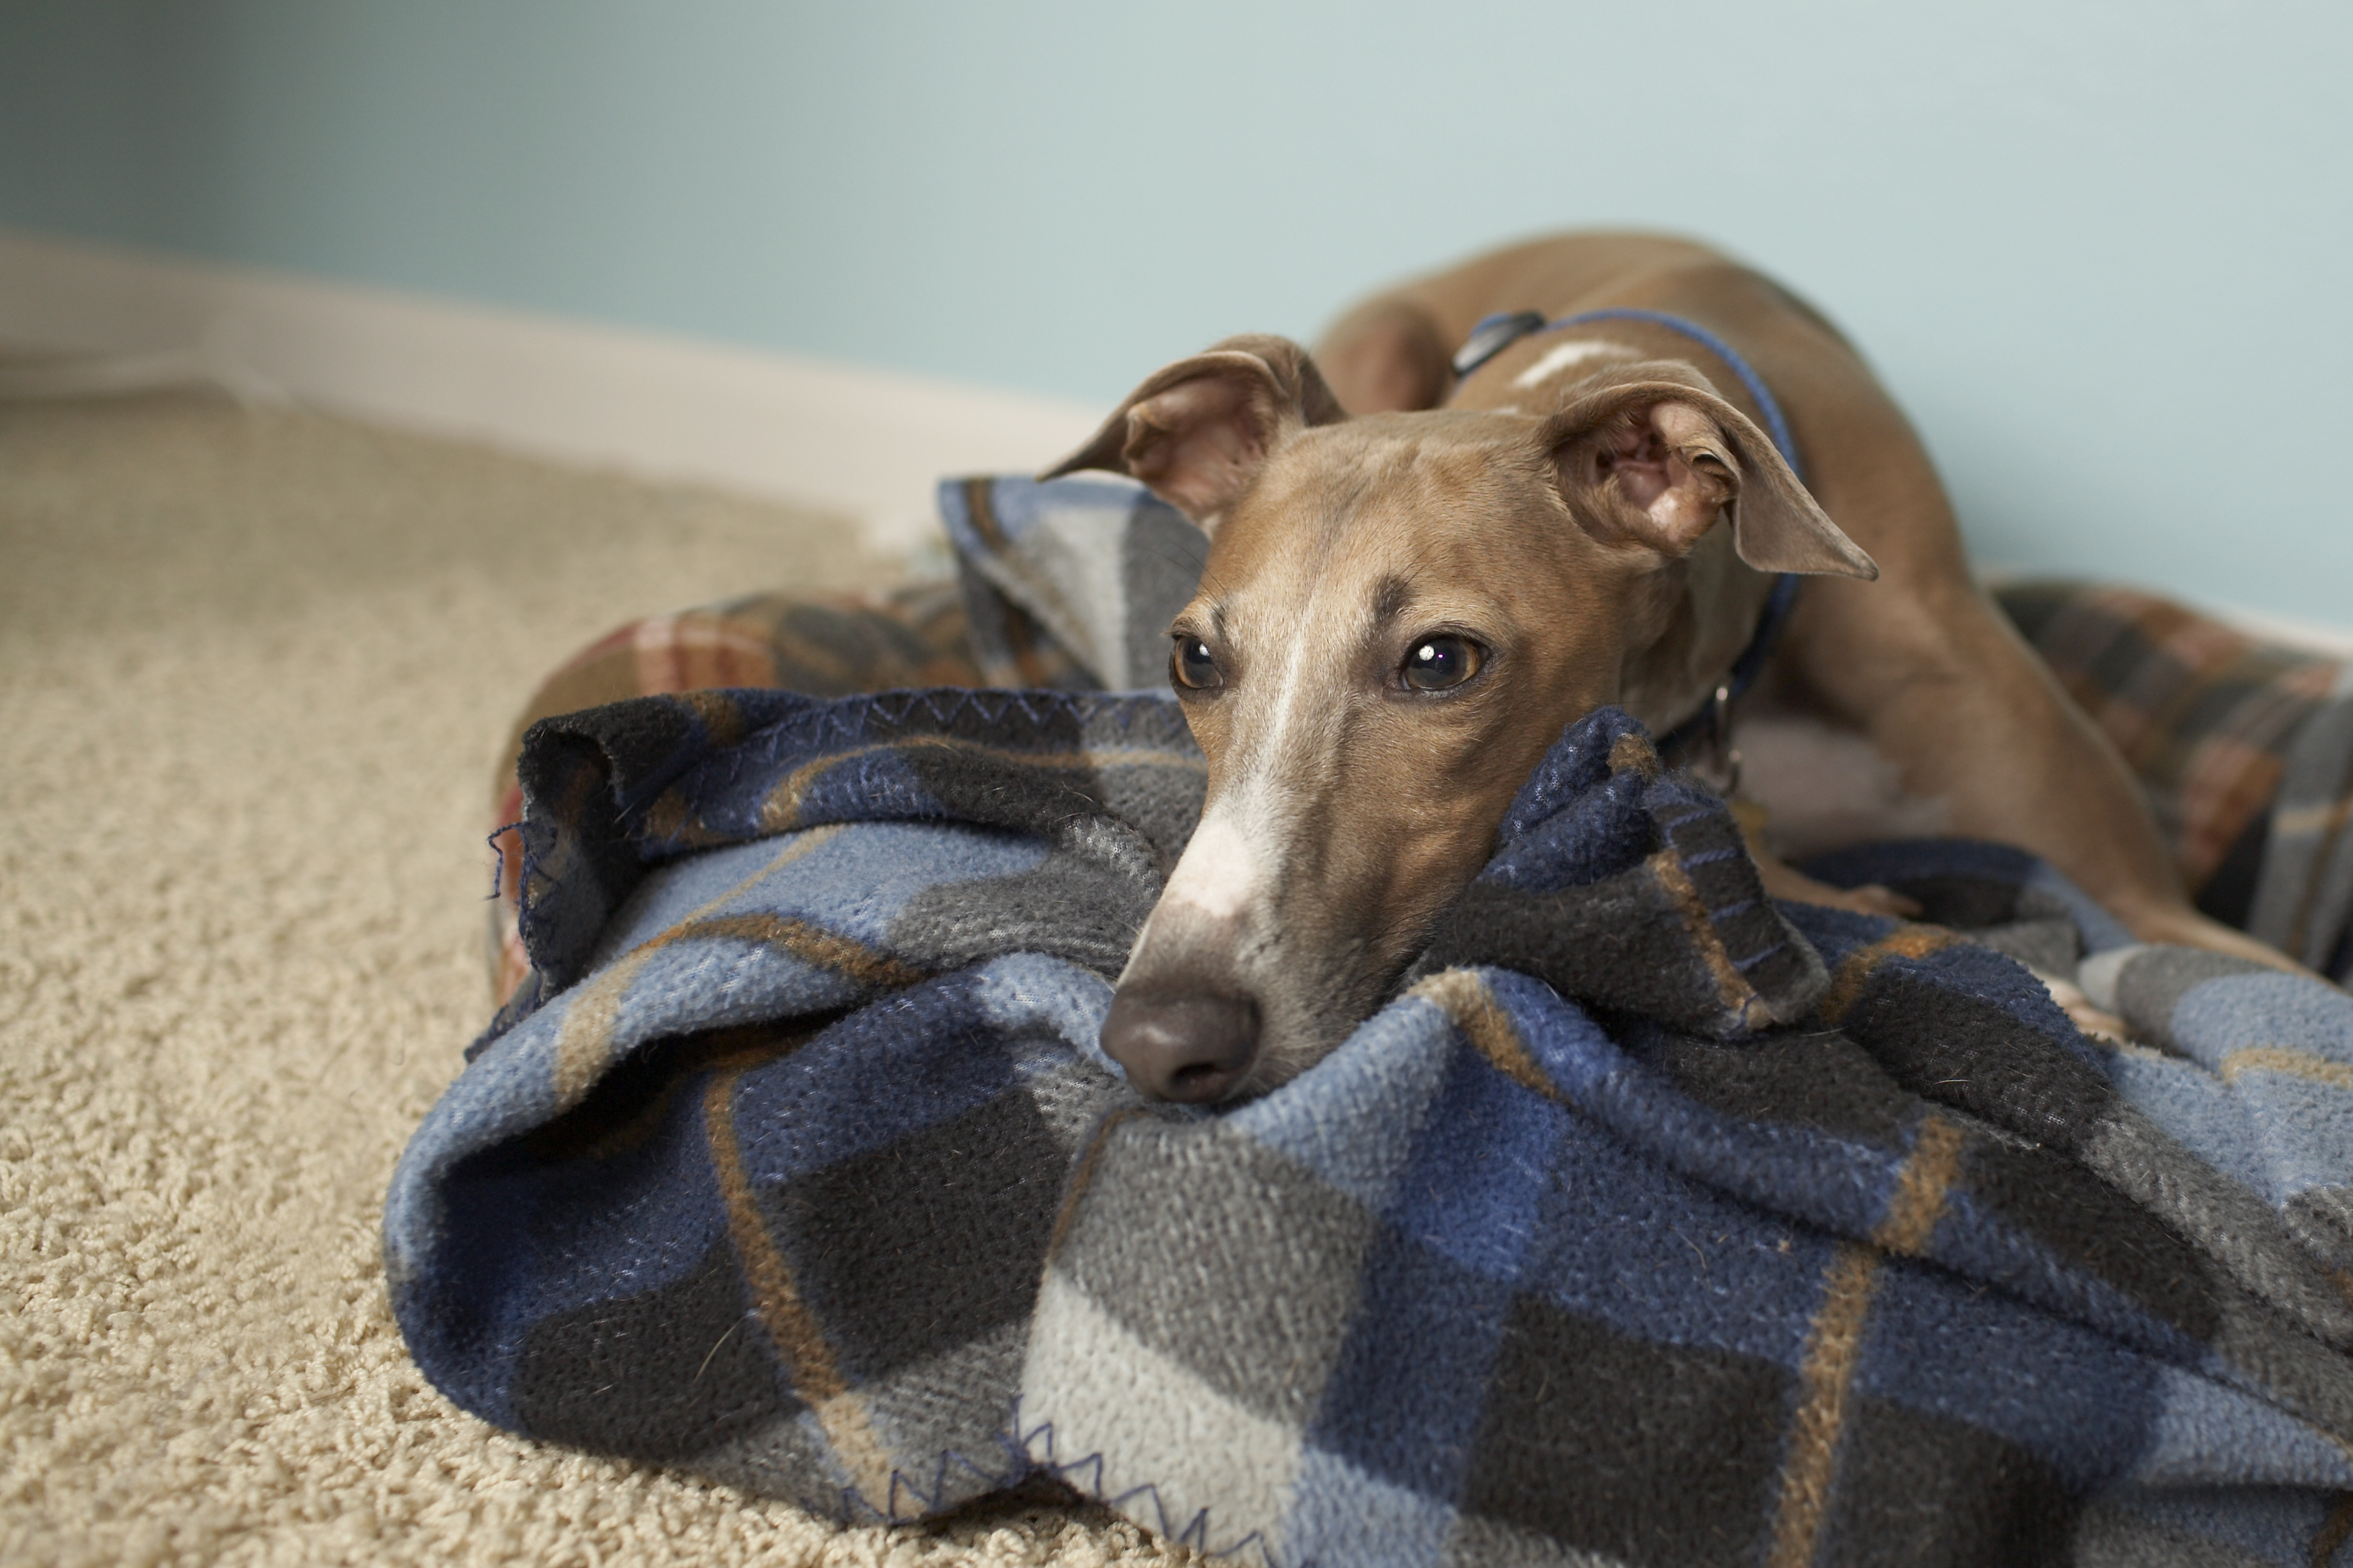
(846, 719)
(1194, 1532)
(857, 1509)
(1920, 1268)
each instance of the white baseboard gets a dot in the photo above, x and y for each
(868, 443)
(2336, 642)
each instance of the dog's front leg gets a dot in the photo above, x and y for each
(1943, 688)
(1786, 882)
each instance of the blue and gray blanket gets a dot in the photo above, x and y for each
(797, 1165)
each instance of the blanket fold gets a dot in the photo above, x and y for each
(1651, 1223)
(1630, 889)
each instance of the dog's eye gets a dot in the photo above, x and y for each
(1434, 664)
(1192, 665)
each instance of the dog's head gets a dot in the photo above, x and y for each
(1400, 615)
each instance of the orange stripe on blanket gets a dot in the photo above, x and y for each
(1855, 971)
(1834, 1341)
(792, 1328)
(584, 1042)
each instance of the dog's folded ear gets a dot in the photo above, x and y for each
(1197, 431)
(1653, 455)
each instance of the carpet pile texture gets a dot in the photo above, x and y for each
(255, 667)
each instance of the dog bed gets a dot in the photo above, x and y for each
(1651, 1224)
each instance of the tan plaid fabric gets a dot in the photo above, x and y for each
(2205, 714)
(826, 648)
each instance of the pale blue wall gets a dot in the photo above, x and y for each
(2100, 249)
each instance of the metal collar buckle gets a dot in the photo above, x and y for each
(1715, 761)
(1493, 335)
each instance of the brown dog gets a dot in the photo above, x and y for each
(1403, 609)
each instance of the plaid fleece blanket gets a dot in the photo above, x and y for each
(2243, 748)
(1651, 1224)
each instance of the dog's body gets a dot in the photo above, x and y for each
(1403, 609)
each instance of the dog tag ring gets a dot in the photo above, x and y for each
(1493, 335)
(1720, 769)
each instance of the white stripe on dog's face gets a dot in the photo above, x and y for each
(1311, 631)
(1564, 355)
(1218, 874)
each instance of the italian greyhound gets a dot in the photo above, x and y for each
(1424, 565)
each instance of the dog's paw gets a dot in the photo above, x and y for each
(1874, 899)
(2083, 1012)
(2182, 926)
(1784, 881)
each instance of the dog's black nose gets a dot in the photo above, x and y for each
(1186, 1047)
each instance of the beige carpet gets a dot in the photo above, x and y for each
(254, 669)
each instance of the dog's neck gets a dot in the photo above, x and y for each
(1540, 375)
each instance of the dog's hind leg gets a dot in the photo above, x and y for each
(1388, 356)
